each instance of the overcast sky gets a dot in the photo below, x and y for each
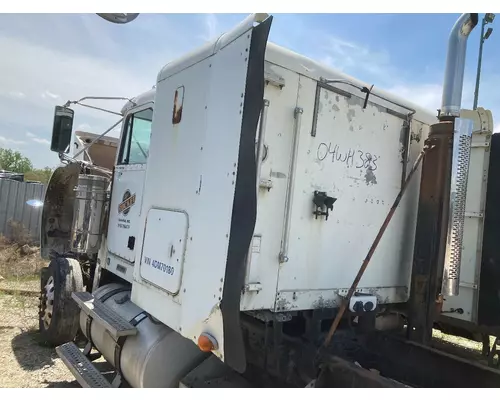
(50, 58)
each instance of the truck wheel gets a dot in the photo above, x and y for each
(59, 314)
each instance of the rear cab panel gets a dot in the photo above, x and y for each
(357, 155)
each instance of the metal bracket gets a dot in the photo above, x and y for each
(272, 77)
(252, 287)
(473, 214)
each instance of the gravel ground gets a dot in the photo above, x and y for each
(24, 363)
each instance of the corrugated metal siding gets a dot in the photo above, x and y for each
(13, 207)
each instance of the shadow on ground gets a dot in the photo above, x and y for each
(30, 353)
(33, 354)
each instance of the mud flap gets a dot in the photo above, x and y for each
(57, 212)
(244, 211)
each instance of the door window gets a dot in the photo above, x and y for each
(137, 137)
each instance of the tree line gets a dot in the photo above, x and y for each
(14, 161)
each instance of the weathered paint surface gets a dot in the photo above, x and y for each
(357, 157)
(323, 299)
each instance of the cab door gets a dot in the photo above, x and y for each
(128, 183)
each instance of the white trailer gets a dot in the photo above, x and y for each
(245, 191)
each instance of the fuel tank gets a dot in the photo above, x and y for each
(156, 357)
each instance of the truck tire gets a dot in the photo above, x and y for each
(58, 312)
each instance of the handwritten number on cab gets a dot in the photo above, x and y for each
(363, 159)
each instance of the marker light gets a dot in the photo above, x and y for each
(207, 343)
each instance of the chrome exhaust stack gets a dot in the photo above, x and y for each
(450, 111)
(455, 66)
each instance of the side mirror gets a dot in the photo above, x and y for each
(118, 18)
(62, 129)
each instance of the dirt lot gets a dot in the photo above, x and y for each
(24, 362)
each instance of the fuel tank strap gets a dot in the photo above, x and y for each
(90, 344)
(119, 346)
(88, 324)
(138, 318)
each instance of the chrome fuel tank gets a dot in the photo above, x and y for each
(156, 356)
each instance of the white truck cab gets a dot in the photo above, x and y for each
(242, 196)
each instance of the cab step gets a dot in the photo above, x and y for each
(104, 315)
(80, 366)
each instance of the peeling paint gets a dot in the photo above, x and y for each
(351, 128)
(283, 304)
(337, 98)
(370, 177)
(401, 152)
(213, 311)
(354, 101)
(321, 303)
(335, 107)
(350, 115)
(416, 137)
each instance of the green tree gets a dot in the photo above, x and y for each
(14, 161)
(39, 175)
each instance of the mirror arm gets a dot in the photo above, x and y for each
(97, 108)
(99, 137)
(64, 157)
(79, 102)
(90, 158)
